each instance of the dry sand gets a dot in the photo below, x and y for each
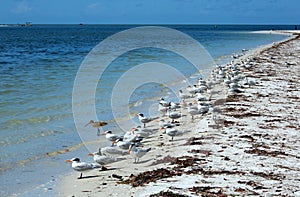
(252, 148)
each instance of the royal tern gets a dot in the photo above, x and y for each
(174, 115)
(163, 103)
(82, 166)
(132, 137)
(111, 137)
(137, 153)
(193, 110)
(183, 96)
(103, 159)
(113, 151)
(123, 144)
(97, 125)
(172, 131)
(144, 119)
(163, 124)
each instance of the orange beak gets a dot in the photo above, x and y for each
(90, 154)
(68, 160)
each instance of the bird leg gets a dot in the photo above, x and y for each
(80, 176)
(144, 125)
(98, 132)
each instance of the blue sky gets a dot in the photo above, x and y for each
(150, 11)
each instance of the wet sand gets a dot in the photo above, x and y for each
(248, 145)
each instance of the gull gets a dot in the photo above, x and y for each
(144, 119)
(103, 159)
(112, 151)
(82, 166)
(97, 125)
(137, 153)
(111, 137)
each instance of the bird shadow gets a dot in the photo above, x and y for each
(109, 169)
(90, 177)
(144, 161)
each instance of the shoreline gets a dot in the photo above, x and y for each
(213, 146)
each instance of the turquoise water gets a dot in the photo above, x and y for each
(38, 65)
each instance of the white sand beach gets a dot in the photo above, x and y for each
(247, 144)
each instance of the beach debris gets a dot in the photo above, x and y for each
(168, 194)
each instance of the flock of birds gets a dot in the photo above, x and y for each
(200, 96)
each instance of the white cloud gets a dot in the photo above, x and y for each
(93, 6)
(22, 7)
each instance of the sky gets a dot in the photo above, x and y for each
(150, 11)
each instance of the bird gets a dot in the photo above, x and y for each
(193, 110)
(163, 103)
(183, 96)
(111, 136)
(137, 153)
(103, 159)
(82, 166)
(144, 119)
(172, 131)
(174, 115)
(123, 144)
(112, 151)
(97, 124)
(163, 124)
(203, 107)
(130, 136)
(139, 132)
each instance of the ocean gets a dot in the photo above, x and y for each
(38, 67)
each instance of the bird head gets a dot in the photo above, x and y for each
(140, 115)
(73, 160)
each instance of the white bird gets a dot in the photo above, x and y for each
(163, 124)
(174, 105)
(112, 151)
(137, 153)
(144, 119)
(139, 132)
(111, 137)
(123, 144)
(203, 107)
(174, 115)
(82, 166)
(103, 159)
(173, 132)
(183, 96)
(163, 103)
(163, 110)
(193, 110)
(132, 137)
